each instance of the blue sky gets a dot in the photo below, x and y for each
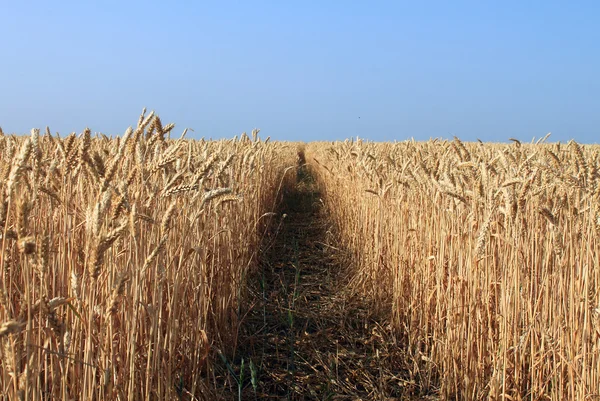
(305, 70)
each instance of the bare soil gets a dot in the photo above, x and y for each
(305, 336)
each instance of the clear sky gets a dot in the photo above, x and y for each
(305, 70)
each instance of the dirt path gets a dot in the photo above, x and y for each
(304, 337)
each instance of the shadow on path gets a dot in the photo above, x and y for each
(304, 336)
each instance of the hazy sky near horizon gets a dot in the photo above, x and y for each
(310, 70)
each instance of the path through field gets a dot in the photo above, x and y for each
(305, 337)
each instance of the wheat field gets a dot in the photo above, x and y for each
(485, 255)
(126, 262)
(123, 259)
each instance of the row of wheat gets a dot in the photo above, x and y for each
(485, 256)
(123, 260)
